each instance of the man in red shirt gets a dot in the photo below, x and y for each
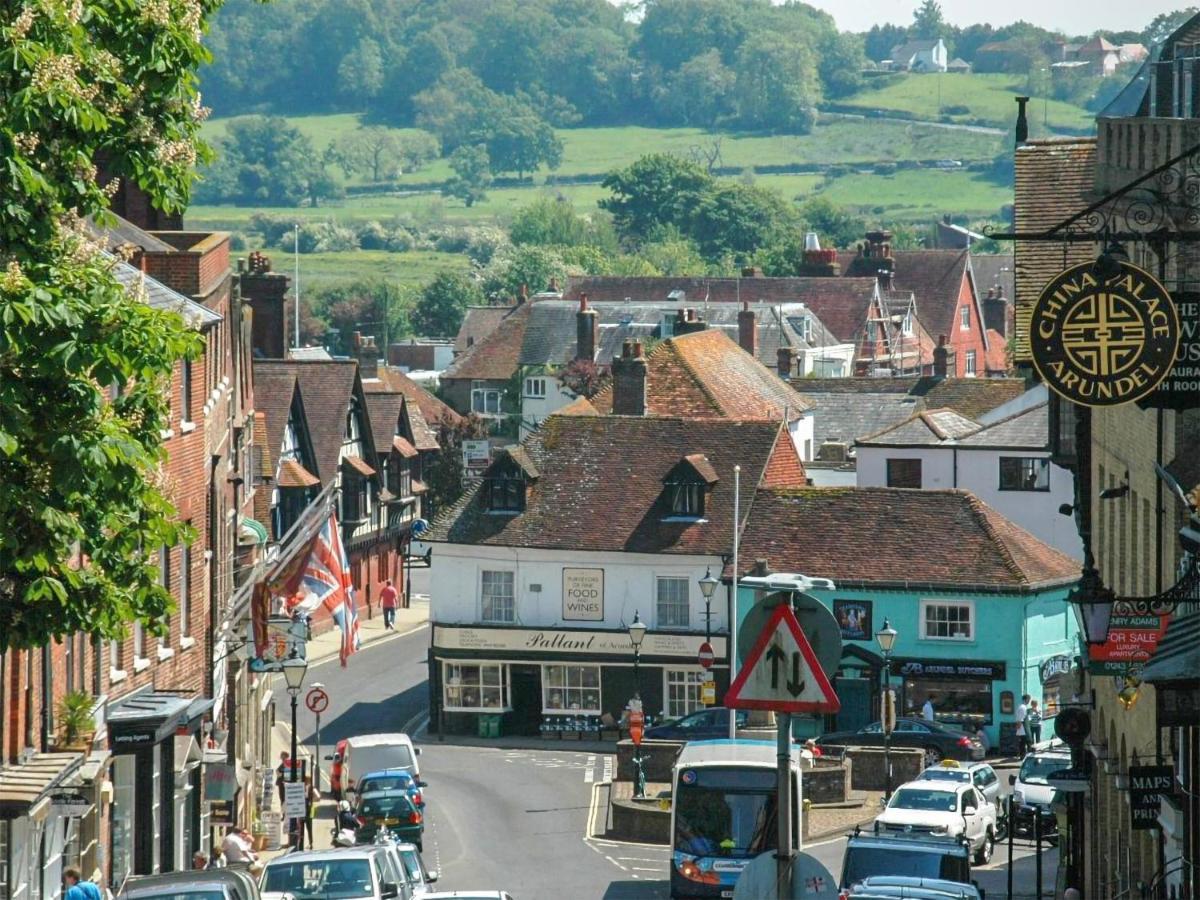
(387, 600)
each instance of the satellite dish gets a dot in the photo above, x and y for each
(816, 621)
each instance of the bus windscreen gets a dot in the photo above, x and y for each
(726, 812)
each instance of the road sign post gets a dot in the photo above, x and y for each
(706, 655)
(317, 702)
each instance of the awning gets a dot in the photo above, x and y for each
(146, 718)
(359, 465)
(23, 787)
(294, 475)
(251, 532)
(405, 449)
(1177, 657)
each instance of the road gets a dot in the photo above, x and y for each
(524, 821)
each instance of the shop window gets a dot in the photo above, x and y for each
(948, 620)
(475, 686)
(966, 703)
(672, 602)
(904, 473)
(122, 822)
(571, 689)
(496, 593)
(683, 690)
(1024, 473)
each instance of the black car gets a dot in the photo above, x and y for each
(702, 725)
(937, 740)
(922, 856)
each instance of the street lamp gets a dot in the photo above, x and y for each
(708, 586)
(1093, 605)
(294, 669)
(637, 633)
(886, 638)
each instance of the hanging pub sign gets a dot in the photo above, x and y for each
(1181, 388)
(1104, 341)
(1147, 784)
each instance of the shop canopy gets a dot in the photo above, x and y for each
(23, 787)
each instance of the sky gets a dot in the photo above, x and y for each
(1069, 16)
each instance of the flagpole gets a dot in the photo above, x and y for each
(733, 612)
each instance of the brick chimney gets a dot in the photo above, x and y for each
(996, 310)
(747, 329)
(688, 321)
(265, 292)
(785, 361)
(878, 249)
(368, 356)
(585, 330)
(818, 262)
(941, 357)
(629, 381)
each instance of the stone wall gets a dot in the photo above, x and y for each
(868, 772)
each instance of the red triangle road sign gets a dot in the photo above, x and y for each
(782, 673)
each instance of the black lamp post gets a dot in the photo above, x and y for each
(708, 586)
(886, 638)
(637, 632)
(294, 669)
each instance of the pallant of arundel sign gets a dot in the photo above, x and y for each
(570, 641)
(1104, 341)
(583, 595)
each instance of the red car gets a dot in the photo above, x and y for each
(335, 769)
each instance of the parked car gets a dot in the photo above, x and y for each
(937, 740)
(419, 877)
(340, 874)
(1033, 793)
(702, 725)
(357, 756)
(980, 774)
(469, 895)
(942, 808)
(895, 887)
(205, 884)
(915, 855)
(391, 780)
(392, 810)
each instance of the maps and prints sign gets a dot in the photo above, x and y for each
(583, 595)
(1147, 784)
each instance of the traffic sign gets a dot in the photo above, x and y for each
(782, 673)
(317, 701)
(706, 655)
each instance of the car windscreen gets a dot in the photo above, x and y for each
(928, 799)
(863, 862)
(396, 806)
(327, 878)
(726, 812)
(1035, 768)
(385, 783)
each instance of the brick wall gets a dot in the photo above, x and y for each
(963, 340)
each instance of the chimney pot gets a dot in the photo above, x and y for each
(941, 358)
(785, 361)
(747, 329)
(586, 325)
(629, 381)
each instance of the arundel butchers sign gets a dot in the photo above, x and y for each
(1104, 341)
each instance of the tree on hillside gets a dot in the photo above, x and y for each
(928, 22)
(472, 174)
(374, 151)
(835, 226)
(735, 220)
(554, 223)
(879, 41)
(264, 161)
(360, 73)
(442, 303)
(1165, 24)
(777, 85)
(530, 267)
(458, 108)
(654, 192)
(523, 144)
(699, 92)
(842, 61)
(408, 71)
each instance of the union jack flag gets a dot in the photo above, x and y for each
(320, 576)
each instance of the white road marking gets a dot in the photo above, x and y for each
(617, 864)
(638, 869)
(608, 768)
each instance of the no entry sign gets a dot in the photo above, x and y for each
(317, 701)
(706, 656)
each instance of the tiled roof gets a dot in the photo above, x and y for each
(1025, 430)
(359, 465)
(1053, 181)
(124, 233)
(996, 359)
(972, 397)
(496, 356)
(403, 447)
(326, 386)
(600, 485)
(705, 375)
(384, 412)
(948, 539)
(424, 436)
(478, 322)
(392, 380)
(934, 277)
(925, 428)
(994, 270)
(292, 474)
(274, 388)
(161, 297)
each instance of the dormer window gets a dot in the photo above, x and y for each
(507, 481)
(687, 485)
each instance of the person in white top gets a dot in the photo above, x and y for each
(927, 709)
(1022, 738)
(238, 847)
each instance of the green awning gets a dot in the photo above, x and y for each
(1177, 657)
(252, 531)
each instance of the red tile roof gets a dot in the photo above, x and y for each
(478, 322)
(934, 277)
(404, 448)
(495, 357)
(599, 485)
(292, 474)
(385, 414)
(359, 464)
(394, 381)
(707, 375)
(946, 539)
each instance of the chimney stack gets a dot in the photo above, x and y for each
(368, 356)
(785, 362)
(629, 381)
(879, 249)
(524, 295)
(688, 322)
(1022, 130)
(941, 358)
(747, 329)
(553, 285)
(585, 330)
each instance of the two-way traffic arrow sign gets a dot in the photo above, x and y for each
(782, 673)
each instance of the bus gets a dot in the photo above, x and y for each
(723, 813)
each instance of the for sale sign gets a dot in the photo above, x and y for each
(1132, 640)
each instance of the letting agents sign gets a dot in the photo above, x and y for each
(583, 595)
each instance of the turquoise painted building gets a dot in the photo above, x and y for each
(978, 603)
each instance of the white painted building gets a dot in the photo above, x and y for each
(1005, 463)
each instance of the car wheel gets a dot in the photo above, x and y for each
(984, 854)
(933, 756)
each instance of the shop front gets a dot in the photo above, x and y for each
(158, 819)
(964, 693)
(38, 817)
(492, 680)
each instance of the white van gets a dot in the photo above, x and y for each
(373, 752)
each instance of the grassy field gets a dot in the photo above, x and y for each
(988, 97)
(920, 194)
(414, 267)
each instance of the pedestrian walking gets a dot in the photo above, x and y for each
(283, 773)
(1022, 737)
(1033, 723)
(387, 601)
(77, 888)
(312, 798)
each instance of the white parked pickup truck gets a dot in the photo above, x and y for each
(942, 808)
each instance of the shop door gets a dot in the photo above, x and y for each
(526, 699)
(855, 696)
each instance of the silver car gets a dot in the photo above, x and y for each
(201, 884)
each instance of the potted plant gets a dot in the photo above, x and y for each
(75, 720)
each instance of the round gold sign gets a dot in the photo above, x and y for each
(1104, 341)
